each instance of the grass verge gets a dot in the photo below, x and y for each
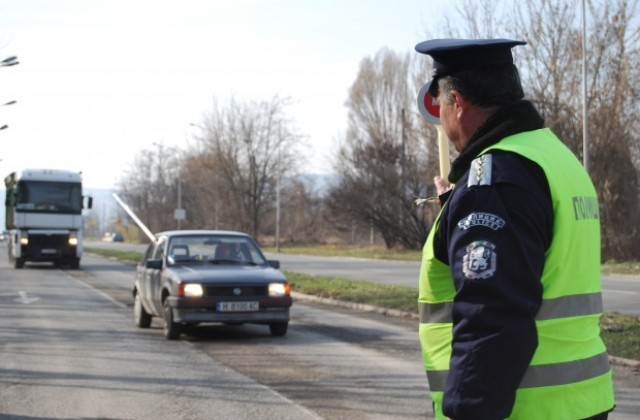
(375, 252)
(402, 298)
(380, 252)
(129, 256)
(621, 333)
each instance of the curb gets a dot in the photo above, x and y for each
(621, 361)
(355, 305)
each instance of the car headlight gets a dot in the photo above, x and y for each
(73, 239)
(279, 289)
(191, 290)
(24, 238)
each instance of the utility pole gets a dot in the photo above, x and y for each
(278, 201)
(180, 214)
(585, 111)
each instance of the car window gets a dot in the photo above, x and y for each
(218, 249)
(159, 252)
(148, 253)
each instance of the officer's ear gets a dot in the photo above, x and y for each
(460, 103)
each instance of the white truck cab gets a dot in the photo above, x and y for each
(44, 216)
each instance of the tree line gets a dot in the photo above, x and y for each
(242, 171)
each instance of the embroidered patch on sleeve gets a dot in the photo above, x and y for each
(479, 262)
(481, 219)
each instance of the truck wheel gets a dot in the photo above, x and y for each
(171, 329)
(75, 263)
(18, 263)
(142, 318)
(278, 329)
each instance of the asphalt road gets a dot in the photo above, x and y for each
(69, 350)
(620, 293)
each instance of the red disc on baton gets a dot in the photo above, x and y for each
(428, 105)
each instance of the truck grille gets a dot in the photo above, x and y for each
(48, 240)
(43, 246)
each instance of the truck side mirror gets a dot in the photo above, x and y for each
(89, 202)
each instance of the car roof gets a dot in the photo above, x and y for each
(195, 232)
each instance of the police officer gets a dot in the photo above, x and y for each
(510, 288)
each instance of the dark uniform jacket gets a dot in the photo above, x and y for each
(496, 271)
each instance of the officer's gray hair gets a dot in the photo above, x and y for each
(485, 87)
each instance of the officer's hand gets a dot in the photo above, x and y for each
(442, 185)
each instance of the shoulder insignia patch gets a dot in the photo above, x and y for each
(480, 172)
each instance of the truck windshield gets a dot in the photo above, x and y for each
(49, 197)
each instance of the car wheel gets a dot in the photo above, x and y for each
(19, 263)
(278, 329)
(142, 317)
(171, 329)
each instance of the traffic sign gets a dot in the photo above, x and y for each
(179, 214)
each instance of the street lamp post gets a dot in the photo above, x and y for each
(5, 126)
(585, 110)
(9, 61)
(179, 213)
(278, 202)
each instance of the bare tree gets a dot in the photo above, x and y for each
(150, 187)
(244, 149)
(228, 177)
(301, 213)
(380, 166)
(552, 76)
(553, 63)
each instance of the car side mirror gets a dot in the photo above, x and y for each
(154, 264)
(274, 263)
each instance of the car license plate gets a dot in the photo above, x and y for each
(48, 251)
(237, 306)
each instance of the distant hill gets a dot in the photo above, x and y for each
(319, 183)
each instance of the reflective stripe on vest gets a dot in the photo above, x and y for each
(544, 375)
(561, 307)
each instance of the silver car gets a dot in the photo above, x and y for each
(189, 277)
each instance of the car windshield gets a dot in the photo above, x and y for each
(214, 249)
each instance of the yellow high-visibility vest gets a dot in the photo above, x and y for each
(569, 376)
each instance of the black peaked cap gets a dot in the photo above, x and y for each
(453, 55)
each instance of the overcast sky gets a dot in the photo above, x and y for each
(101, 80)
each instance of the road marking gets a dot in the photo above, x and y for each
(22, 297)
(25, 299)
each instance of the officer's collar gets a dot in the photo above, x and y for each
(509, 120)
